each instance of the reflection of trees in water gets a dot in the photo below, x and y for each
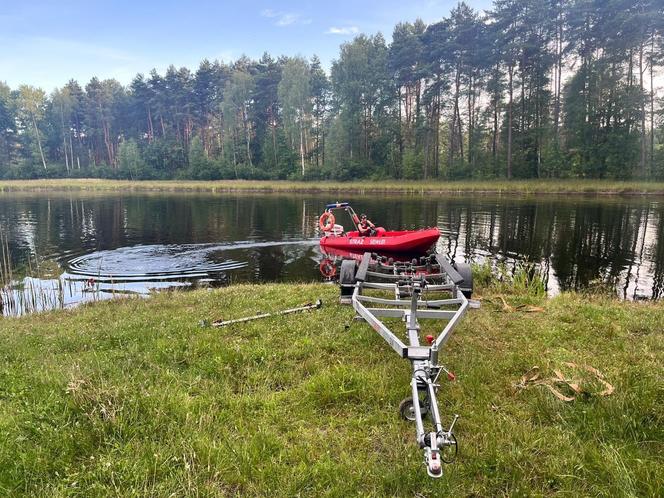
(656, 254)
(599, 243)
(636, 262)
(79, 224)
(580, 241)
(614, 240)
(269, 263)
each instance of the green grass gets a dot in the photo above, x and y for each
(133, 397)
(596, 187)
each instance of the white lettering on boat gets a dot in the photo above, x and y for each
(372, 242)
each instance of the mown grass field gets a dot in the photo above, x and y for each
(595, 187)
(134, 397)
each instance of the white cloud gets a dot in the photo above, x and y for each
(269, 13)
(346, 30)
(283, 19)
(287, 20)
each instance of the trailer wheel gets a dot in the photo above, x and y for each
(407, 409)
(466, 273)
(347, 272)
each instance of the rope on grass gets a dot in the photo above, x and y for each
(532, 378)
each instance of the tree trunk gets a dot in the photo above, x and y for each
(455, 116)
(643, 113)
(558, 78)
(366, 133)
(235, 150)
(400, 138)
(302, 146)
(652, 100)
(450, 146)
(245, 124)
(522, 125)
(630, 72)
(221, 137)
(538, 145)
(322, 141)
(477, 97)
(64, 137)
(150, 127)
(316, 138)
(437, 147)
(458, 112)
(427, 140)
(510, 72)
(71, 153)
(273, 125)
(407, 111)
(109, 145)
(41, 151)
(470, 122)
(494, 135)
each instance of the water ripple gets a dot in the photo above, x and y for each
(152, 262)
(163, 261)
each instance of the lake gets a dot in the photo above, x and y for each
(60, 249)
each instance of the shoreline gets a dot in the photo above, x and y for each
(499, 187)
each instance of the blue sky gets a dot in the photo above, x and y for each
(45, 43)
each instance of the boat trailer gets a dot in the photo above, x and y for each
(430, 287)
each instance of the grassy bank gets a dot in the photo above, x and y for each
(135, 397)
(595, 187)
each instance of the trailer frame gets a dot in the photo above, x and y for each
(411, 283)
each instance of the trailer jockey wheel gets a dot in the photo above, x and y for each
(450, 450)
(407, 409)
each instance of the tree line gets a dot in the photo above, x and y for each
(528, 89)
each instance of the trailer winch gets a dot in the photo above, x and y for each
(430, 287)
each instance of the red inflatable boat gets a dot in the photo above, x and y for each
(408, 241)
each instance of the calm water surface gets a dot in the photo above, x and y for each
(88, 246)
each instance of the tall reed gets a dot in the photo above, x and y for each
(26, 291)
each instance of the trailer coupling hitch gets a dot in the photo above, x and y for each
(432, 459)
(440, 448)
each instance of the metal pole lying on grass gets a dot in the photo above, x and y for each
(306, 307)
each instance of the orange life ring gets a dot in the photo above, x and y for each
(326, 221)
(327, 268)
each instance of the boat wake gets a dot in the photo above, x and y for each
(163, 261)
